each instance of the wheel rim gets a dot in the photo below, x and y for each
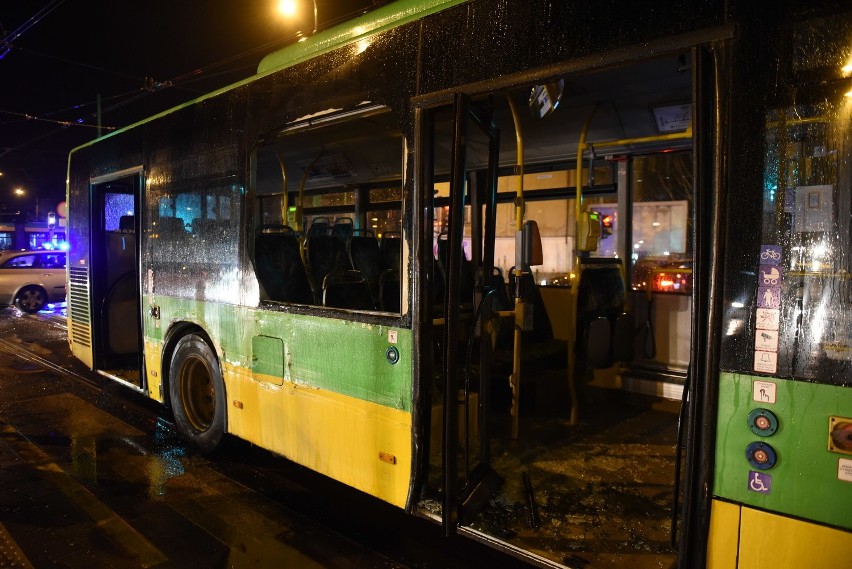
(31, 299)
(197, 394)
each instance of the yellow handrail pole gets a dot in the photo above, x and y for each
(299, 217)
(285, 205)
(515, 378)
(572, 291)
(645, 139)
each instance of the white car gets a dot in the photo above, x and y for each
(32, 279)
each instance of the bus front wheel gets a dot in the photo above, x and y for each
(197, 393)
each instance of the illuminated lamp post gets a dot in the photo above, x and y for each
(290, 8)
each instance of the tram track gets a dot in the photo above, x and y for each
(21, 352)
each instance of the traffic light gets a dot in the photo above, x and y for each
(51, 220)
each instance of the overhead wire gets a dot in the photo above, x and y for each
(179, 81)
(7, 39)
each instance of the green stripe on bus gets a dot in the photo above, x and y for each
(350, 358)
(359, 29)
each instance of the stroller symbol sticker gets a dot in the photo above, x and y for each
(769, 276)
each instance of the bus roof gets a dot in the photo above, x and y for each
(387, 17)
(384, 18)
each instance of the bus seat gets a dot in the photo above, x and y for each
(391, 249)
(171, 225)
(347, 289)
(279, 268)
(325, 254)
(390, 290)
(125, 224)
(210, 227)
(366, 257)
(604, 331)
(342, 228)
(468, 271)
(319, 225)
(122, 315)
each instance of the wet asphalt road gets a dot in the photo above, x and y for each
(93, 475)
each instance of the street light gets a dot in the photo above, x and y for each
(290, 8)
(20, 192)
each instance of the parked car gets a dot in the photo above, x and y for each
(32, 279)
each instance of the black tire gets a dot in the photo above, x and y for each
(197, 393)
(31, 299)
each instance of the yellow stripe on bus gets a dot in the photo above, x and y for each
(771, 540)
(362, 444)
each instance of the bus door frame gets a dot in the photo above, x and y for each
(699, 408)
(98, 260)
(461, 503)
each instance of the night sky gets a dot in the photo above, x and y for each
(59, 56)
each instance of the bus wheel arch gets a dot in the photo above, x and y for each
(195, 388)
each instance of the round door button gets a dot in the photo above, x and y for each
(761, 456)
(762, 422)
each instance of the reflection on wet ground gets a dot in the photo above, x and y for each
(92, 475)
(94, 480)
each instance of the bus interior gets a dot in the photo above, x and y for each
(577, 465)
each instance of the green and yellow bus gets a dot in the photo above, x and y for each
(569, 279)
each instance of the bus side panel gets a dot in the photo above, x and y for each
(806, 458)
(341, 408)
(723, 537)
(744, 537)
(360, 443)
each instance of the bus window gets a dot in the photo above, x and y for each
(196, 244)
(661, 187)
(326, 195)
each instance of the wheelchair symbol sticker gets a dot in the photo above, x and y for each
(759, 482)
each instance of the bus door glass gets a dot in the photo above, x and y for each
(463, 186)
(115, 281)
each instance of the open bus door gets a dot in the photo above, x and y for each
(460, 307)
(115, 262)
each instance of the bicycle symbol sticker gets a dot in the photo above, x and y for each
(770, 254)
